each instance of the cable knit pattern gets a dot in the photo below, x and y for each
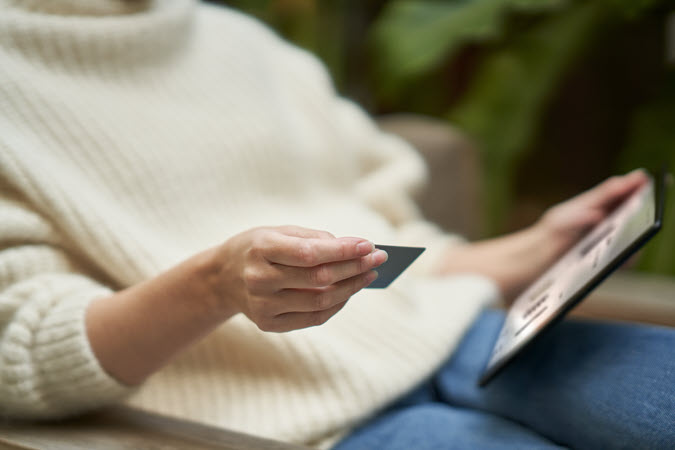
(135, 134)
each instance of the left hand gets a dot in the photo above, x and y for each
(566, 222)
(516, 260)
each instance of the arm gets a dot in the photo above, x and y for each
(390, 171)
(63, 333)
(515, 260)
(282, 278)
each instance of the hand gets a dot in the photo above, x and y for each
(516, 260)
(287, 278)
(565, 223)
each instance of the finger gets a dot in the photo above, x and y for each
(323, 275)
(293, 230)
(297, 320)
(307, 300)
(588, 219)
(614, 189)
(583, 222)
(309, 252)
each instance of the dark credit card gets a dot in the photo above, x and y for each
(399, 260)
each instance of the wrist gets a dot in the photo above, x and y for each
(516, 260)
(182, 308)
(206, 275)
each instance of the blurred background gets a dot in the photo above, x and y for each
(555, 94)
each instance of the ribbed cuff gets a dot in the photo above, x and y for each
(56, 373)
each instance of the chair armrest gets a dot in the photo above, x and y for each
(632, 296)
(127, 428)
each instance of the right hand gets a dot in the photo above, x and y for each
(287, 278)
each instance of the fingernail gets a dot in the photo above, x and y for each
(365, 248)
(372, 276)
(379, 257)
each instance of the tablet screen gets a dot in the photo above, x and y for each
(574, 275)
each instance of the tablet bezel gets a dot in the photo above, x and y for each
(659, 199)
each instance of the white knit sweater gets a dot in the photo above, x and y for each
(135, 134)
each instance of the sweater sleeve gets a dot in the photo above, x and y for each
(47, 367)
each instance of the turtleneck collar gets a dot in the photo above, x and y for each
(79, 7)
(71, 33)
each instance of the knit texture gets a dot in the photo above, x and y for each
(133, 139)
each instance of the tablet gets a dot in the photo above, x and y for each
(578, 272)
(398, 259)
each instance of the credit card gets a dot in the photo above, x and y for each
(399, 260)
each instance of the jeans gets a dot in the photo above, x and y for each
(582, 385)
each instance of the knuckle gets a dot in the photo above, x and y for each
(343, 250)
(258, 232)
(320, 276)
(258, 243)
(255, 252)
(323, 301)
(305, 253)
(253, 279)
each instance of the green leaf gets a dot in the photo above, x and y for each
(504, 104)
(412, 37)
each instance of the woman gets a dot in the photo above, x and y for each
(151, 152)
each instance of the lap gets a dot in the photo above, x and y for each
(434, 425)
(584, 385)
